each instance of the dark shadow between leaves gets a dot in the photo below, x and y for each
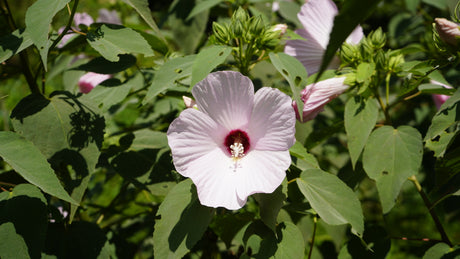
(103, 66)
(29, 216)
(59, 162)
(268, 245)
(28, 106)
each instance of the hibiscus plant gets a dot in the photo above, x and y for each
(229, 129)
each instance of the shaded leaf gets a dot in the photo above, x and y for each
(203, 6)
(270, 204)
(103, 66)
(390, 157)
(14, 43)
(290, 241)
(38, 19)
(12, 245)
(437, 251)
(25, 208)
(146, 138)
(206, 60)
(142, 8)
(114, 40)
(182, 223)
(360, 118)
(332, 199)
(30, 163)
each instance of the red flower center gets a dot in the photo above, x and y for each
(237, 143)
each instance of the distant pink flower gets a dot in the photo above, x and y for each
(106, 16)
(236, 143)
(317, 18)
(448, 31)
(439, 99)
(90, 80)
(316, 96)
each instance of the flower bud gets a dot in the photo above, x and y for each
(238, 29)
(448, 31)
(349, 53)
(394, 62)
(282, 27)
(377, 38)
(220, 32)
(256, 26)
(240, 15)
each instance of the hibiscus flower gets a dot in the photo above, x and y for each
(439, 99)
(316, 96)
(317, 18)
(88, 81)
(236, 143)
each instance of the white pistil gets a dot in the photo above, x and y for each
(237, 150)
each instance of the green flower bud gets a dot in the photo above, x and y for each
(256, 26)
(240, 15)
(349, 53)
(377, 39)
(395, 62)
(238, 29)
(381, 59)
(220, 33)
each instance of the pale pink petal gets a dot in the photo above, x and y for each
(439, 99)
(272, 125)
(448, 31)
(82, 18)
(315, 96)
(106, 16)
(191, 136)
(88, 81)
(227, 97)
(356, 35)
(262, 172)
(189, 102)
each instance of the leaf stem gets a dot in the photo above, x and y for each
(67, 27)
(33, 86)
(315, 223)
(428, 205)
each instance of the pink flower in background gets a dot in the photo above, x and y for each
(439, 99)
(448, 31)
(317, 18)
(90, 80)
(236, 143)
(106, 16)
(315, 96)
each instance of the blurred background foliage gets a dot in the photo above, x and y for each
(118, 211)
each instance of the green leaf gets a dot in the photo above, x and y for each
(440, 4)
(26, 208)
(182, 223)
(294, 72)
(172, 71)
(30, 163)
(68, 131)
(435, 89)
(142, 8)
(107, 96)
(114, 40)
(207, 60)
(292, 244)
(360, 118)
(351, 15)
(289, 11)
(203, 6)
(148, 139)
(390, 157)
(446, 117)
(270, 205)
(304, 160)
(332, 199)
(12, 245)
(103, 66)
(38, 19)
(13, 43)
(437, 251)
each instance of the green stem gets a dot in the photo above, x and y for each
(22, 55)
(387, 88)
(67, 27)
(315, 221)
(429, 206)
(384, 109)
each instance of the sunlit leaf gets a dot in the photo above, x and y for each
(390, 157)
(332, 199)
(113, 41)
(206, 60)
(30, 163)
(166, 77)
(360, 118)
(294, 72)
(292, 244)
(38, 19)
